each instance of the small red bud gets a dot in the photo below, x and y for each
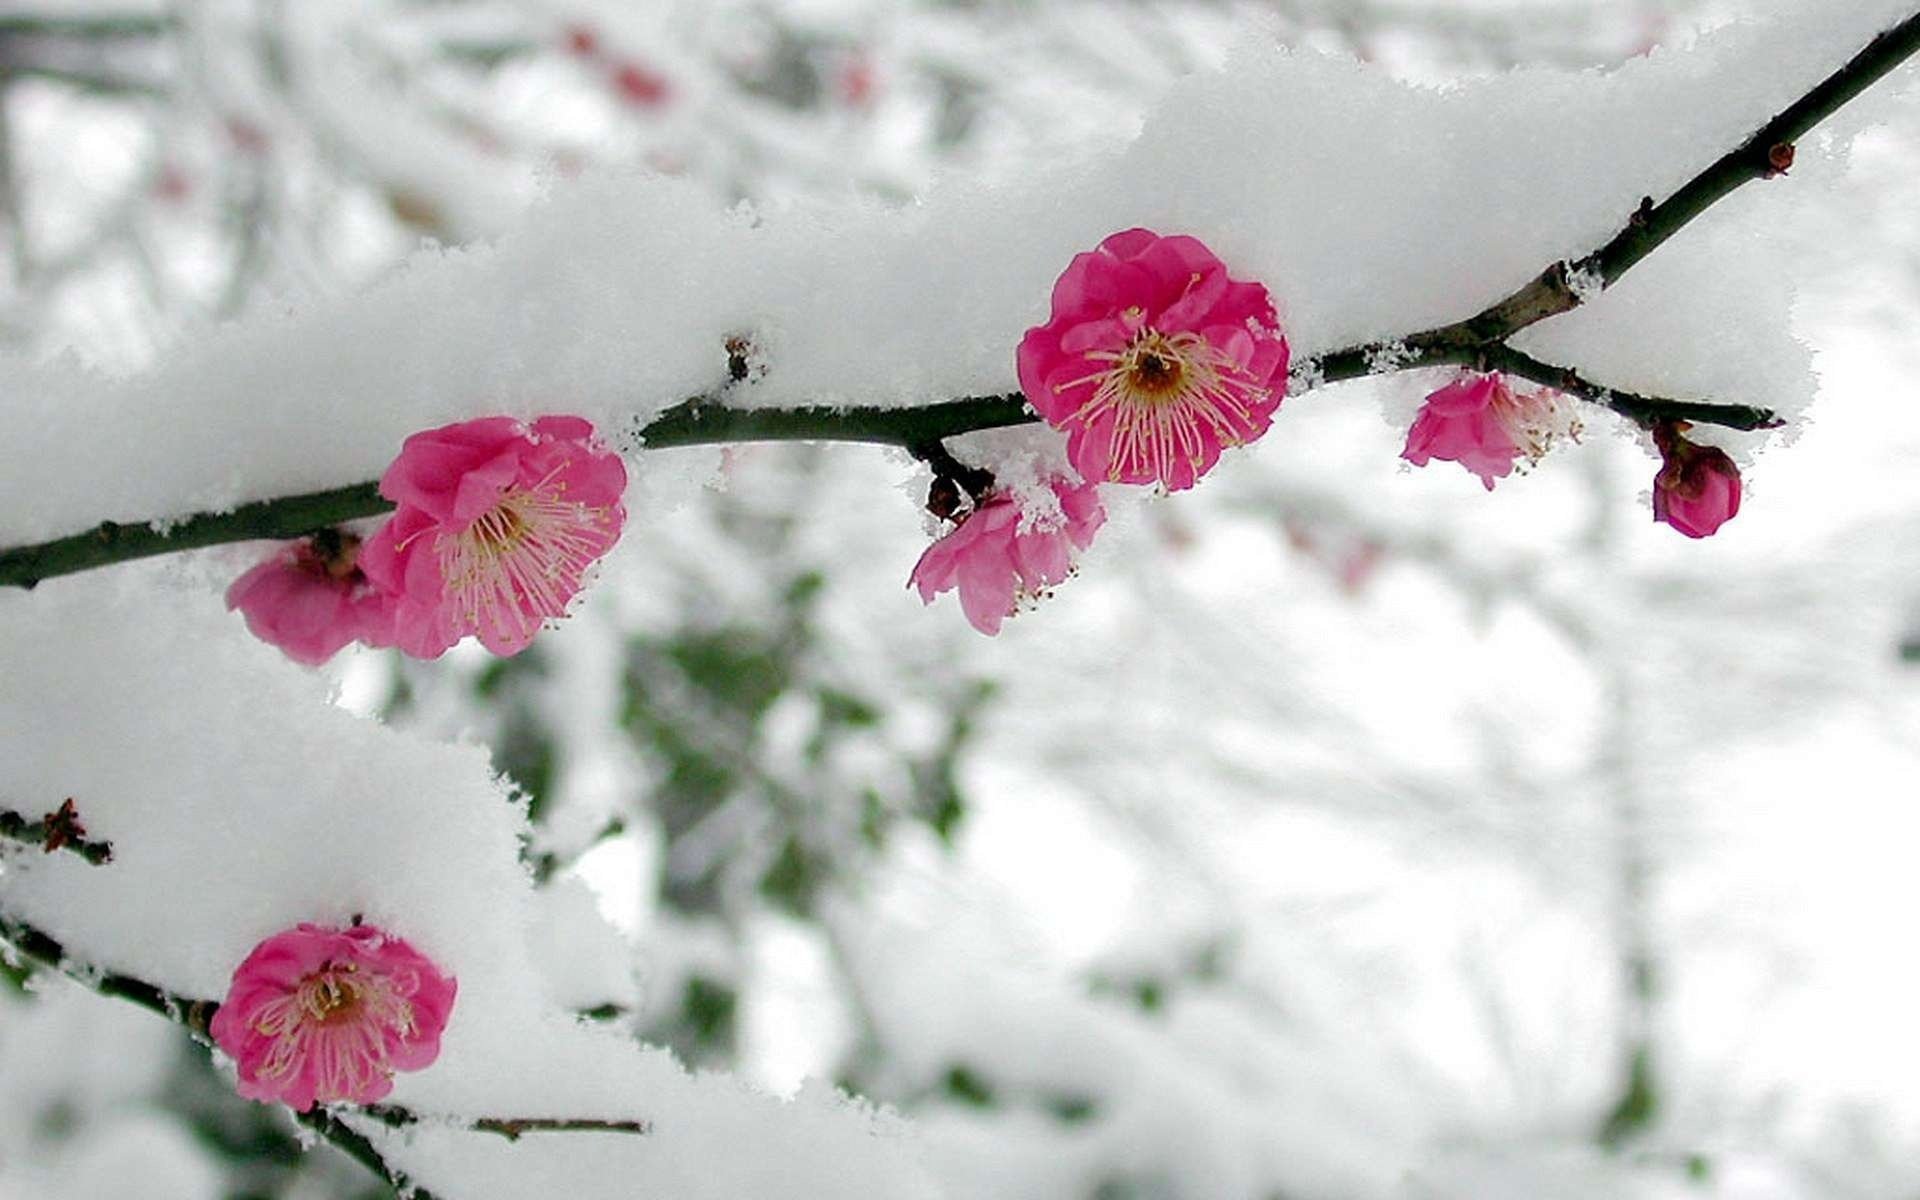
(640, 86)
(1698, 487)
(582, 41)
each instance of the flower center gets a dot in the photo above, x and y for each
(335, 1023)
(521, 561)
(1169, 395)
(1535, 420)
(1155, 373)
(330, 554)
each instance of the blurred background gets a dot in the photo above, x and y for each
(1339, 831)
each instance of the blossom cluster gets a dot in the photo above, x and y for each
(1155, 360)
(495, 526)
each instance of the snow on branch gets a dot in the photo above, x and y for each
(1480, 340)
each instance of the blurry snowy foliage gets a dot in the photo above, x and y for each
(1336, 833)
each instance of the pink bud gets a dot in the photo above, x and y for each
(1698, 487)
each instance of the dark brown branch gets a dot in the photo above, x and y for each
(358, 1147)
(1644, 410)
(1648, 227)
(394, 1116)
(111, 542)
(1477, 340)
(58, 830)
(196, 1016)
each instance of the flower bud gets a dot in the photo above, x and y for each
(1698, 487)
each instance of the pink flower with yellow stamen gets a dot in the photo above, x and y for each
(1002, 553)
(1482, 423)
(496, 525)
(1154, 360)
(317, 1015)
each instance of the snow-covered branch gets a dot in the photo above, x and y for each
(1480, 340)
(58, 830)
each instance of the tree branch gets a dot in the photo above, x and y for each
(196, 1016)
(1644, 410)
(395, 1116)
(696, 422)
(357, 1146)
(1479, 340)
(1552, 292)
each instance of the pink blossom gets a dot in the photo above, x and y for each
(318, 1015)
(1154, 359)
(311, 598)
(496, 525)
(1698, 487)
(1483, 424)
(1000, 552)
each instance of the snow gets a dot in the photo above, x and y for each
(1371, 206)
(230, 771)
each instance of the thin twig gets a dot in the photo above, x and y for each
(1552, 292)
(1644, 410)
(195, 1015)
(358, 1147)
(1478, 340)
(395, 1116)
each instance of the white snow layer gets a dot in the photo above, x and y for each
(1371, 206)
(240, 802)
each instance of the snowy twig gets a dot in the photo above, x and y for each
(196, 1016)
(1479, 340)
(511, 1128)
(58, 830)
(700, 421)
(357, 1146)
(1765, 153)
(1643, 410)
